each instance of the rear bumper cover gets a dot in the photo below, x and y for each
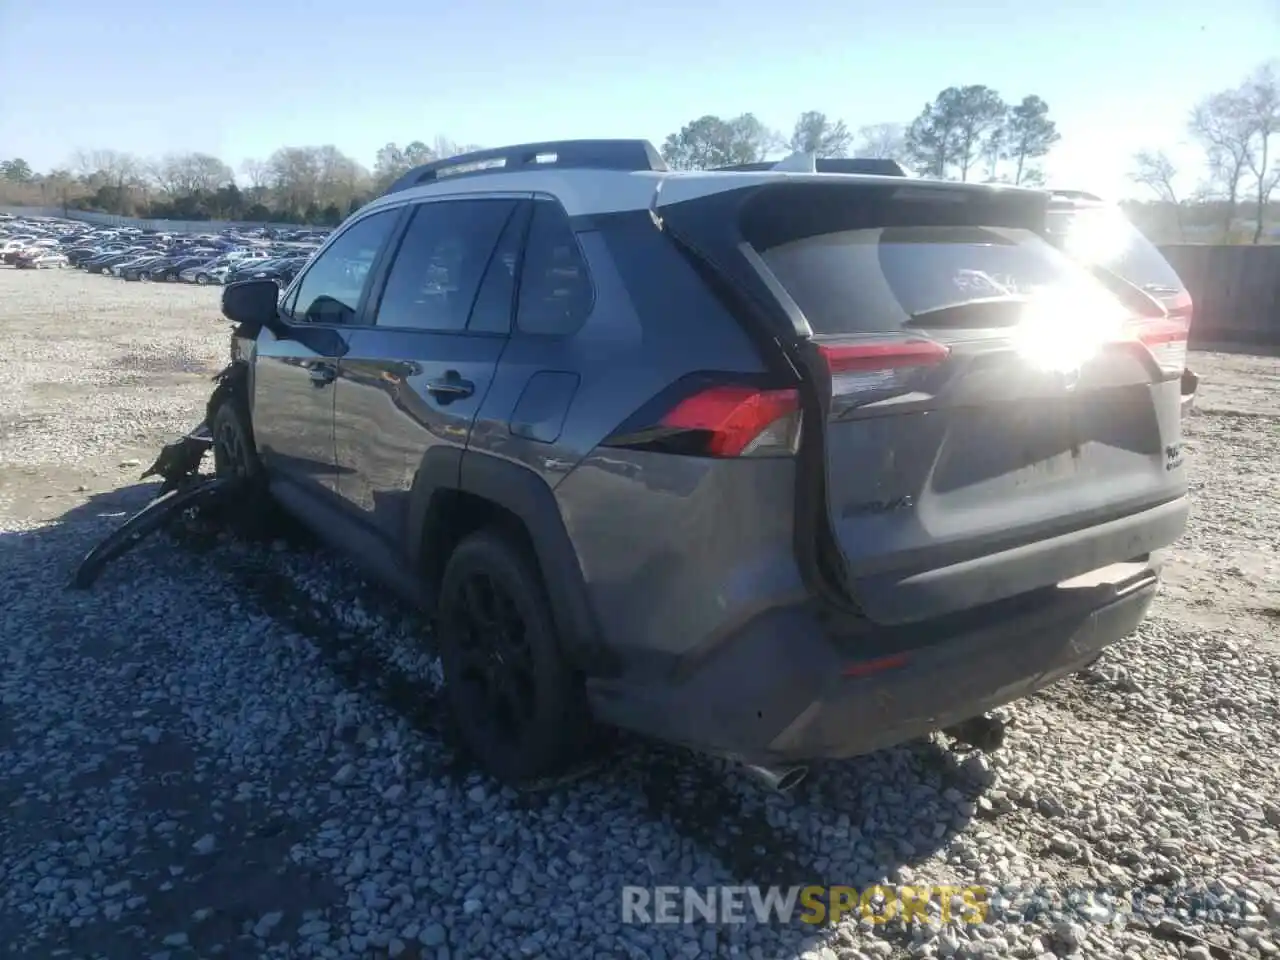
(779, 691)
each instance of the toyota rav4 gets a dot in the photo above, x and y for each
(782, 464)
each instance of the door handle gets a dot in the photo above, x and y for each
(322, 374)
(450, 387)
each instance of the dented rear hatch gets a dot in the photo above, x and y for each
(991, 419)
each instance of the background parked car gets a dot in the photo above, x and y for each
(137, 254)
(167, 270)
(40, 258)
(136, 264)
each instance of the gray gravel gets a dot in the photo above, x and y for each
(230, 749)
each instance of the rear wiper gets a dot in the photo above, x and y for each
(1140, 299)
(1004, 311)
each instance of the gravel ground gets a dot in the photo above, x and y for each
(233, 750)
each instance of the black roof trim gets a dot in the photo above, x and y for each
(576, 154)
(863, 165)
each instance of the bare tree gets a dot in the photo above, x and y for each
(60, 187)
(112, 167)
(338, 178)
(1223, 125)
(257, 172)
(1157, 172)
(184, 174)
(1262, 96)
(881, 141)
(294, 178)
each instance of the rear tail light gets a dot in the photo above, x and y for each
(739, 421)
(1166, 337)
(1167, 342)
(719, 419)
(873, 366)
(697, 418)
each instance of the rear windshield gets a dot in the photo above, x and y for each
(878, 279)
(1103, 236)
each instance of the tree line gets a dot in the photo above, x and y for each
(965, 133)
(1237, 135)
(961, 130)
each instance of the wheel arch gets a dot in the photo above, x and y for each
(456, 493)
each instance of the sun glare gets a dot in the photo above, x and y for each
(1064, 325)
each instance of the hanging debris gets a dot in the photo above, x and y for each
(201, 492)
(184, 488)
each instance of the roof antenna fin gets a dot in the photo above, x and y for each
(802, 161)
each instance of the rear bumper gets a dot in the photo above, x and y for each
(785, 690)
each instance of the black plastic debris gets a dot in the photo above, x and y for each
(184, 487)
(179, 461)
(200, 492)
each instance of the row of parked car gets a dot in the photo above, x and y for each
(134, 254)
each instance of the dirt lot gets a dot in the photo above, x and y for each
(233, 750)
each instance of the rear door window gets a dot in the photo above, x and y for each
(437, 271)
(880, 279)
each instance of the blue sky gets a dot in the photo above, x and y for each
(239, 79)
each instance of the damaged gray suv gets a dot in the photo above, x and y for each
(780, 463)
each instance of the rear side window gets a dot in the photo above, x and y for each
(1105, 237)
(442, 258)
(555, 289)
(872, 280)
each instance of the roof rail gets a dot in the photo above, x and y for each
(580, 154)
(797, 162)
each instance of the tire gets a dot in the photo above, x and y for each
(202, 279)
(105, 271)
(144, 277)
(519, 707)
(234, 454)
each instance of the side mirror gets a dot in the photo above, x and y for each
(253, 305)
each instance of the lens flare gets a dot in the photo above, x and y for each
(1100, 236)
(1064, 325)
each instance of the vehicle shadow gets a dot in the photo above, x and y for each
(854, 823)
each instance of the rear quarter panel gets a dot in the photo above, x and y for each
(672, 549)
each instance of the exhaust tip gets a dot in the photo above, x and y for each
(781, 779)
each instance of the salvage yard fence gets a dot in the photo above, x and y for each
(1236, 289)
